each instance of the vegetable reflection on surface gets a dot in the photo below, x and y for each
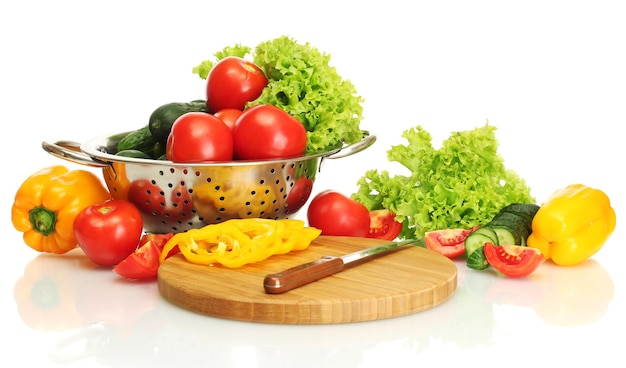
(114, 327)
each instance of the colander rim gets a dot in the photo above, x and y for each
(97, 148)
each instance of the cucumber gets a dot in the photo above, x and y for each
(158, 150)
(527, 210)
(132, 153)
(113, 141)
(162, 119)
(512, 225)
(140, 140)
(477, 260)
(504, 236)
(488, 232)
(478, 238)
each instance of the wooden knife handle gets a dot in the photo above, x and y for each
(303, 274)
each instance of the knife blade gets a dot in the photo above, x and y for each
(294, 277)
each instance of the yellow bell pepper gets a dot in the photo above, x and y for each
(47, 203)
(237, 242)
(572, 224)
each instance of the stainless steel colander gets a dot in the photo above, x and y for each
(176, 197)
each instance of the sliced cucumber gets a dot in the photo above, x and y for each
(475, 241)
(488, 232)
(512, 225)
(477, 260)
(505, 236)
(527, 210)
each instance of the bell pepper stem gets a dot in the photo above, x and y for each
(43, 220)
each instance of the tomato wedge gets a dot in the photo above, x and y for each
(513, 260)
(383, 225)
(144, 262)
(448, 242)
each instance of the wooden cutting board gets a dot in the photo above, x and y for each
(402, 282)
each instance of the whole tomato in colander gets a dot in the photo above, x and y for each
(199, 137)
(266, 132)
(232, 83)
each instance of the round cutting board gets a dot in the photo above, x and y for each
(405, 281)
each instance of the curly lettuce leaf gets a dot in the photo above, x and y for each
(302, 82)
(460, 185)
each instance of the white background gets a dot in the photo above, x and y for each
(550, 75)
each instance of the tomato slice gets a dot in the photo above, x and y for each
(144, 262)
(513, 260)
(448, 242)
(383, 225)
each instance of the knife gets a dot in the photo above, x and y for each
(294, 277)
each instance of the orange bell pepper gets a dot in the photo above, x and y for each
(572, 224)
(237, 242)
(48, 201)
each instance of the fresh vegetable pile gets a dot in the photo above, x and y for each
(302, 82)
(282, 99)
(58, 210)
(460, 185)
(569, 227)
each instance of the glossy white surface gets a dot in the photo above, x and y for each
(548, 74)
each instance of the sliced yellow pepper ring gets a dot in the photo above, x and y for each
(238, 242)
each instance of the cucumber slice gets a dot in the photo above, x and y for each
(488, 232)
(477, 260)
(505, 236)
(475, 241)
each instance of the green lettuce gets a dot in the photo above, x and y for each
(302, 82)
(462, 184)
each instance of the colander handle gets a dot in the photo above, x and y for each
(71, 151)
(354, 148)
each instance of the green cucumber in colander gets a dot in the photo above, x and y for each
(139, 140)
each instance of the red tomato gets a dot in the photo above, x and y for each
(228, 116)
(299, 194)
(383, 225)
(199, 137)
(266, 131)
(513, 260)
(336, 214)
(108, 232)
(232, 83)
(146, 196)
(448, 242)
(144, 262)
